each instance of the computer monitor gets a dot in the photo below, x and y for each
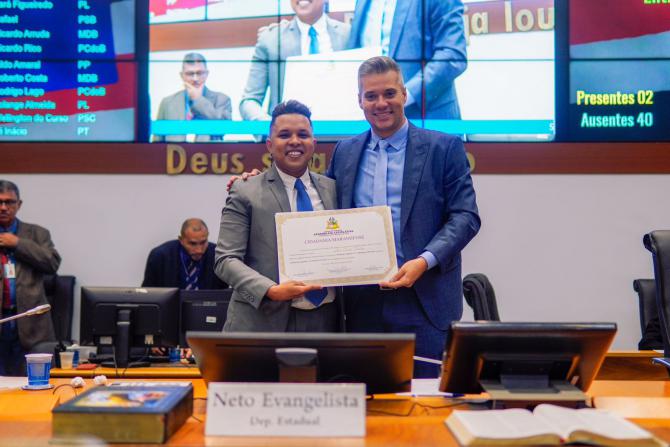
(384, 362)
(523, 359)
(125, 317)
(203, 310)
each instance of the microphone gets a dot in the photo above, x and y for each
(34, 311)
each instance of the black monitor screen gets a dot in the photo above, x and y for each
(203, 310)
(478, 351)
(129, 317)
(384, 362)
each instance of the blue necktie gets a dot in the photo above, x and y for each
(313, 41)
(192, 276)
(305, 204)
(379, 184)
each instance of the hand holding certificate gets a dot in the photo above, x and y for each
(336, 247)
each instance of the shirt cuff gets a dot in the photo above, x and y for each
(430, 259)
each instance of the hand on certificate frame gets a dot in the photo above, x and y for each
(289, 290)
(407, 275)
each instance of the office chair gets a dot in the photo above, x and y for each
(658, 243)
(480, 296)
(650, 326)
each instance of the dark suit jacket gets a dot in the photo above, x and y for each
(35, 256)
(439, 40)
(438, 211)
(164, 267)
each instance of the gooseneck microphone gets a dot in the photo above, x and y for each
(34, 311)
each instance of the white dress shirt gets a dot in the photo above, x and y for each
(322, 36)
(289, 185)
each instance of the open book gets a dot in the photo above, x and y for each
(546, 425)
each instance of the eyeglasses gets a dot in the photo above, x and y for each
(191, 74)
(8, 202)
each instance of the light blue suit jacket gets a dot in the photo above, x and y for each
(274, 45)
(441, 36)
(438, 211)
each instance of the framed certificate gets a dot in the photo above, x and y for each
(336, 247)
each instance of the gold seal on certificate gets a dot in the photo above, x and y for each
(336, 247)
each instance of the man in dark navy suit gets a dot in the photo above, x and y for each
(424, 177)
(186, 263)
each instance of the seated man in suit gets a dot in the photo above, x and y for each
(195, 101)
(246, 254)
(309, 32)
(26, 255)
(186, 263)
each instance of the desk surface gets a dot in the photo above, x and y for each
(618, 365)
(417, 421)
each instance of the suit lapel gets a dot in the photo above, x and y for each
(337, 40)
(326, 192)
(276, 186)
(399, 18)
(347, 175)
(290, 46)
(415, 159)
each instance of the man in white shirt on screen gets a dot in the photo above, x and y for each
(311, 31)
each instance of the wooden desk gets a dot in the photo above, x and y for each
(632, 365)
(161, 371)
(418, 422)
(618, 365)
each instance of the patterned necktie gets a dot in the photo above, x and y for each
(381, 168)
(313, 41)
(192, 276)
(305, 204)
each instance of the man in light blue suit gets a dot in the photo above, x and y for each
(424, 177)
(309, 32)
(438, 40)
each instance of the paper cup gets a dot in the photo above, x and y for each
(66, 359)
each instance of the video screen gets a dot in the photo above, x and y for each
(68, 70)
(481, 69)
(620, 70)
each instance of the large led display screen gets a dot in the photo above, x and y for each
(68, 70)
(481, 69)
(619, 70)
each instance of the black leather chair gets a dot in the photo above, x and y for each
(480, 296)
(650, 326)
(60, 294)
(658, 243)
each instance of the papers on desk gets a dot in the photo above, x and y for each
(427, 387)
(327, 82)
(12, 383)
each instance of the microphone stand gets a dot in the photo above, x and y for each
(34, 311)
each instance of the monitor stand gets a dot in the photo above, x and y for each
(121, 357)
(297, 365)
(513, 391)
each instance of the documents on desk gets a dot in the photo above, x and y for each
(336, 247)
(130, 414)
(547, 425)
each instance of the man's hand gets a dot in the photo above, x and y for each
(193, 92)
(290, 289)
(408, 274)
(8, 240)
(244, 176)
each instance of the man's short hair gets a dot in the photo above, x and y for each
(291, 107)
(194, 58)
(7, 186)
(193, 224)
(379, 65)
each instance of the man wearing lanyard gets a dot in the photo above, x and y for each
(186, 263)
(26, 254)
(424, 177)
